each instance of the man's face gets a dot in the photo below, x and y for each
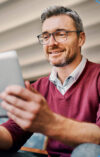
(61, 53)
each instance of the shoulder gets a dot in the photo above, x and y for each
(92, 64)
(92, 72)
(93, 67)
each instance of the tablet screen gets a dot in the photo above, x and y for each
(10, 73)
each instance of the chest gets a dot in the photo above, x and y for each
(80, 104)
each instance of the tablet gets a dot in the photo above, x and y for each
(10, 73)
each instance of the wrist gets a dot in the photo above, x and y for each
(55, 126)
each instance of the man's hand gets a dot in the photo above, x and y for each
(27, 108)
(30, 111)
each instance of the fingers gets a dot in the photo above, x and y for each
(20, 92)
(23, 114)
(26, 107)
(12, 100)
(11, 103)
(23, 123)
(21, 99)
(26, 115)
(28, 85)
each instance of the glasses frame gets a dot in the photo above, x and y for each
(53, 34)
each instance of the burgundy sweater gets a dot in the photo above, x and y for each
(80, 102)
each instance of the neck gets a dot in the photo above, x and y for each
(64, 72)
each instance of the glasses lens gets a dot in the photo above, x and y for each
(60, 36)
(44, 38)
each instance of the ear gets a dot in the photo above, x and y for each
(81, 39)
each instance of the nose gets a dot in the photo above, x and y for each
(52, 41)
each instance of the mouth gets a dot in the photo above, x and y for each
(53, 52)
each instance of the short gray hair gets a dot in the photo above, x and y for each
(58, 10)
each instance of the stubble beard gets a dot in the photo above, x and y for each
(66, 61)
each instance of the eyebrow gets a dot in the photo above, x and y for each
(62, 29)
(45, 32)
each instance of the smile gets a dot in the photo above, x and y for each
(56, 52)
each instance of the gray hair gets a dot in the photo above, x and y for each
(58, 10)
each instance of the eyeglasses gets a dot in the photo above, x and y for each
(59, 36)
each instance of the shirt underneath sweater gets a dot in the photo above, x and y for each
(80, 102)
(70, 80)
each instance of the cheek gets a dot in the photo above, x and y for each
(72, 46)
(71, 42)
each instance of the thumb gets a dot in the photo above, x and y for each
(29, 87)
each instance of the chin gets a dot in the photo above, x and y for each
(59, 64)
(62, 63)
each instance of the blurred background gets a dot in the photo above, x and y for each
(20, 25)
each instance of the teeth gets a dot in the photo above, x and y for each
(55, 52)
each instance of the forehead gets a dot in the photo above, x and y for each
(58, 22)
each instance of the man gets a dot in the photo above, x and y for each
(64, 105)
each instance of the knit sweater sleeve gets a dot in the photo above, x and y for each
(19, 136)
(99, 86)
(98, 113)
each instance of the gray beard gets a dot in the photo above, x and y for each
(68, 61)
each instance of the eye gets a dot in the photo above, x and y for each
(60, 34)
(45, 36)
